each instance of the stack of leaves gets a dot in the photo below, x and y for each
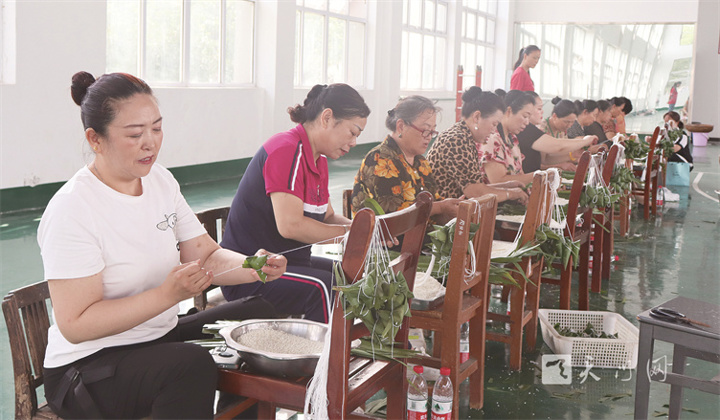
(380, 299)
(667, 141)
(511, 208)
(598, 196)
(622, 180)
(556, 247)
(441, 243)
(589, 332)
(636, 149)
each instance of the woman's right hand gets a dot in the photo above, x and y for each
(187, 280)
(517, 194)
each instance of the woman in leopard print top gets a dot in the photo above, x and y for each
(454, 157)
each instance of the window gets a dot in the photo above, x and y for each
(424, 43)
(182, 42)
(478, 39)
(551, 61)
(330, 42)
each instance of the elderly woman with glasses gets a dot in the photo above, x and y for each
(395, 171)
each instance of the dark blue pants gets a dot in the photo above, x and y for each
(302, 290)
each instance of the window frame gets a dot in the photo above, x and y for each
(327, 15)
(441, 81)
(184, 79)
(490, 47)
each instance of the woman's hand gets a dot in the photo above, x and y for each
(567, 166)
(186, 281)
(591, 139)
(274, 267)
(517, 194)
(597, 147)
(448, 207)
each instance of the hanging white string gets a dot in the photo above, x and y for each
(337, 239)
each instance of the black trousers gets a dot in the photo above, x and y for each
(163, 378)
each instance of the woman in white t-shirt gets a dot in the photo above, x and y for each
(121, 248)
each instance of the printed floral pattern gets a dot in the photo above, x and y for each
(389, 179)
(508, 154)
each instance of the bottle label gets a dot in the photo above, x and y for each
(441, 410)
(464, 351)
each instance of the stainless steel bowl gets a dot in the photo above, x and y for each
(277, 364)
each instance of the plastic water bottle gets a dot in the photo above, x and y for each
(464, 342)
(417, 397)
(442, 397)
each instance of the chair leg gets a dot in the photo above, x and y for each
(517, 311)
(505, 294)
(477, 351)
(266, 410)
(396, 394)
(608, 239)
(598, 248)
(532, 302)
(583, 298)
(566, 285)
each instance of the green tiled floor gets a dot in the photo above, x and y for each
(675, 254)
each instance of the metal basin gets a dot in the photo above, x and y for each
(277, 364)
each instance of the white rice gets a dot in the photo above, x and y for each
(427, 288)
(276, 341)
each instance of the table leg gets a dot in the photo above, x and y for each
(642, 383)
(676, 390)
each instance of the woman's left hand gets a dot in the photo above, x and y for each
(274, 267)
(449, 207)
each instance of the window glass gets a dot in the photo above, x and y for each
(122, 38)
(336, 50)
(205, 41)
(239, 42)
(163, 42)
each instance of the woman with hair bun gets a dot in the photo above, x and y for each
(121, 248)
(454, 155)
(283, 202)
(602, 118)
(681, 147)
(587, 113)
(395, 171)
(528, 59)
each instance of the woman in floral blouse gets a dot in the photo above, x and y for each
(501, 155)
(395, 171)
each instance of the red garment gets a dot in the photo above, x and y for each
(673, 96)
(521, 80)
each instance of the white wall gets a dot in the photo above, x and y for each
(41, 139)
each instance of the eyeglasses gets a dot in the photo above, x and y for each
(425, 133)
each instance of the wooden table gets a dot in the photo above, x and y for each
(689, 341)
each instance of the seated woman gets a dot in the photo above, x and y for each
(533, 142)
(618, 105)
(454, 155)
(283, 203)
(395, 171)
(602, 118)
(563, 116)
(681, 149)
(527, 59)
(121, 248)
(587, 113)
(501, 156)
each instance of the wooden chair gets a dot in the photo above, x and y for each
(214, 222)
(524, 298)
(581, 233)
(603, 230)
(27, 320)
(465, 300)
(347, 203)
(351, 380)
(649, 191)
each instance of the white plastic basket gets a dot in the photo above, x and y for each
(613, 353)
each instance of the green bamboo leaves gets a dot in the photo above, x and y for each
(556, 247)
(256, 262)
(380, 299)
(622, 180)
(597, 196)
(589, 332)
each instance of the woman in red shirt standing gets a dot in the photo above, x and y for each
(528, 59)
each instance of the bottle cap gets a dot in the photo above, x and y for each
(418, 369)
(445, 371)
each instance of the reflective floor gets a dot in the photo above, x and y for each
(676, 254)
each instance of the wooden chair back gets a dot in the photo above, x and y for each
(465, 300)
(213, 220)
(347, 203)
(27, 320)
(351, 381)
